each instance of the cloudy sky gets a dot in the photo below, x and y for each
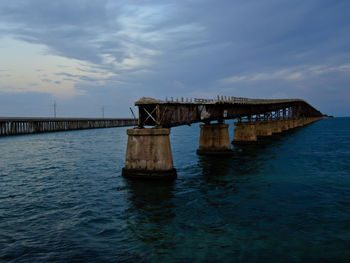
(89, 54)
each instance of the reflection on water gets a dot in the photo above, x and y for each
(151, 203)
(151, 209)
(62, 198)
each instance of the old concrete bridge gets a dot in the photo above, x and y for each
(149, 153)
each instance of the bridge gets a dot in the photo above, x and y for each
(17, 126)
(149, 155)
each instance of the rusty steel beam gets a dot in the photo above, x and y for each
(168, 114)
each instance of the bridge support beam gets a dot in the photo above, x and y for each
(214, 139)
(148, 154)
(245, 133)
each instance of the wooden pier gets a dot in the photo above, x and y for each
(16, 126)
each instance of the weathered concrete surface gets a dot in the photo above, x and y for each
(290, 124)
(263, 128)
(245, 132)
(249, 132)
(148, 154)
(299, 122)
(214, 139)
(284, 125)
(311, 120)
(276, 127)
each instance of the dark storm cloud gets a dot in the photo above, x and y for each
(259, 48)
(68, 28)
(87, 30)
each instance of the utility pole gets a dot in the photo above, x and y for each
(54, 109)
(103, 112)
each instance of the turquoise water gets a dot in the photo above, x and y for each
(62, 199)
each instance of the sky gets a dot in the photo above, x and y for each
(92, 54)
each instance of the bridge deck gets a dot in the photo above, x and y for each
(223, 100)
(171, 113)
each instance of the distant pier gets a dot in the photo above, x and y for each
(16, 126)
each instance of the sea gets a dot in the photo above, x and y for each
(287, 199)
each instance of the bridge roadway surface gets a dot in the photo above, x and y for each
(170, 113)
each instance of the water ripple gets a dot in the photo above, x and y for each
(62, 199)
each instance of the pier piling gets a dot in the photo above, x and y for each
(148, 154)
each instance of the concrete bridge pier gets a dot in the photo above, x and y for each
(295, 123)
(148, 154)
(299, 122)
(305, 121)
(313, 119)
(290, 124)
(214, 139)
(245, 133)
(263, 128)
(284, 125)
(276, 126)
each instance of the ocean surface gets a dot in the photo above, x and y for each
(63, 199)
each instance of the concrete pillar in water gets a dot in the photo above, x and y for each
(312, 119)
(303, 121)
(148, 154)
(263, 128)
(276, 126)
(299, 122)
(295, 123)
(214, 139)
(284, 125)
(244, 133)
(290, 123)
